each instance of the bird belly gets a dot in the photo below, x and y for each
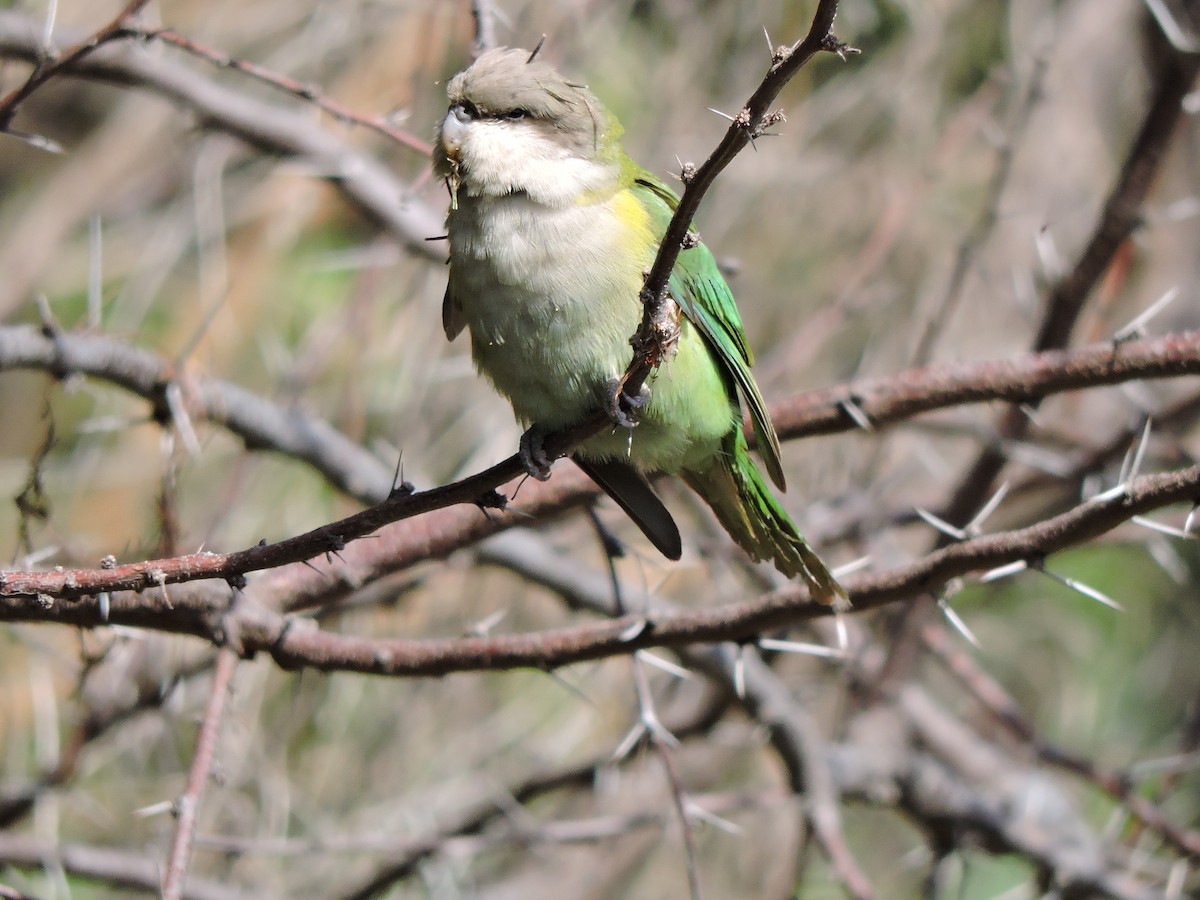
(550, 297)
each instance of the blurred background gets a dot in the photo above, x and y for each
(912, 209)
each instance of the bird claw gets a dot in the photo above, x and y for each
(533, 453)
(624, 408)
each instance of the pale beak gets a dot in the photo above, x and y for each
(454, 130)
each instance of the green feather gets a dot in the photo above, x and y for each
(746, 508)
(705, 298)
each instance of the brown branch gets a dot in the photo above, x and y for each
(656, 330)
(51, 62)
(883, 400)
(188, 805)
(1021, 379)
(301, 91)
(202, 613)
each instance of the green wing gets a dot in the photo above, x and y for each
(705, 298)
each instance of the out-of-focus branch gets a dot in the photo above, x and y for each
(306, 92)
(188, 805)
(118, 868)
(363, 180)
(261, 423)
(51, 62)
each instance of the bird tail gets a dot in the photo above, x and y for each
(753, 517)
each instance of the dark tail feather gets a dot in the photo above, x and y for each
(633, 494)
(747, 509)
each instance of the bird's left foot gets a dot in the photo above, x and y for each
(533, 453)
(624, 408)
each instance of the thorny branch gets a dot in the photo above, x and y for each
(923, 771)
(293, 646)
(261, 423)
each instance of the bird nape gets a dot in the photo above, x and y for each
(551, 227)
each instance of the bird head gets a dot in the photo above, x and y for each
(515, 125)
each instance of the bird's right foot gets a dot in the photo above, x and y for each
(533, 453)
(624, 408)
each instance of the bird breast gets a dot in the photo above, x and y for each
(550, 296)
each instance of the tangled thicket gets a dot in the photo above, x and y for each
(966, 262)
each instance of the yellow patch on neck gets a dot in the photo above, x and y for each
(631, 213)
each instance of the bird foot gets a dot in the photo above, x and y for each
(533, 453)
(624, 408)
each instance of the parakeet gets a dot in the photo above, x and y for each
(551, 230)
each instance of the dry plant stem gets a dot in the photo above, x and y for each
(58, 62)
(306, 92)
(483, 12)
(800, 744)
(261, 423)
(1118, 218)
(95, 724)
(366, 183)
(198, 775)
(115, 868)
(203, 612)
(645, 699)
(487, 811)
(969, 247)
(992, 697)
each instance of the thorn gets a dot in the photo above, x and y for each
(976, 524)
(1003, 571)
(855, 565)
(1086, 590)
(843, 632)
(155, 809)
(484, 626)
(699, 812)
(1191, 518)
(739, 672)
(959, 625)
(660, 731)
(635, 631)
(665, 665)
(721, 114)
(1177, 34)
(41, 142)
(1135, 328)
(1136, 468)
(1163, 529)
(856, 414)
(629, 742)
(941, 524)
(819, 650)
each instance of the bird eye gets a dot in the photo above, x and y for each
(517, 113)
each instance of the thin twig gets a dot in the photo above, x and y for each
(46, 67)
(202, 763)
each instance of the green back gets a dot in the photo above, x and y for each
(697, 286)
